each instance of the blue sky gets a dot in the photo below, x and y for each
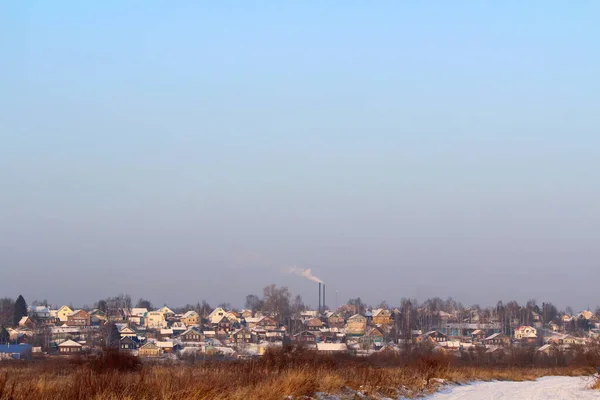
(399, 149)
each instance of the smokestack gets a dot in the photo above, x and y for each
(319, 309)
(324, 304)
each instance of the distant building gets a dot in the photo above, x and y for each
(15, 351)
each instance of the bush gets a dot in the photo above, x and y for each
(113, 360)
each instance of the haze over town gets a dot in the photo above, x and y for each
(197, 152)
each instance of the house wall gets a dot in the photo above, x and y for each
(63, 313)
(357, 326)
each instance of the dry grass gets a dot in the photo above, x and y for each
(277, 375)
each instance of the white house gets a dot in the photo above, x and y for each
(525, 332)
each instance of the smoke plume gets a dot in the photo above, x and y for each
(305, 273)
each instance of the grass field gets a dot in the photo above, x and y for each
(278, 374)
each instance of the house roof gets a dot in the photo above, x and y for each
(138, 312)
(191, 330)
(332, 347)
(69, 343)
(15, 348)
(190, 313)
(164, 345)
(128, 339)
(381, 312)
(523, 327)
(23, 320)
(495, 336)
(79, 313)
(356, 316)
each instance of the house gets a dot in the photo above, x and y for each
(150, 350)
(41, 314)
(525, 332)
(477, 336)
(98, 318)
(569, 339)
(136, 315)
(497, 339)
(246, 314)
(26, 322)
(128, 343)
(216, 315)
(69, 347)
(374, 336)
(167, 312)
(166, 346)
(435, 336)
(166, 334)
(190, 318)
(332, 348)
(15, 352)
(251, 322)
(382, 316)
(209, 334)
(304, 337)
(223, 324)
(63, 313)
(191, 335)
(79, 318)
(267, 323)
(589, 316)
(243, 336)
(314, 324)
(155, 320)
(233, 316)
(127, 332)
(275, 335)
(548, 350)
(554, 327)
(335, 320)
(178, 328)
(356, 325)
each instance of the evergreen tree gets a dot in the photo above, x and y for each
(112, 335)
(4, 336)
(20, 310)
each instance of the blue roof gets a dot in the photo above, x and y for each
(15, 348)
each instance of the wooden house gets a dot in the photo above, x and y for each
(79, 318)
(150, 350)
(69, 347)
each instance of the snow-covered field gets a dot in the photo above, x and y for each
(548, 388)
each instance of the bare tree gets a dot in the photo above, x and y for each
(298, 305)
(253, 303)
(277, 301)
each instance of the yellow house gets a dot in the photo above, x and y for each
(190, 318)
(216, 315)
(155, 319)
(382, 316)
(357, 325)
(167, 312)
(150, 350)
(63, 313)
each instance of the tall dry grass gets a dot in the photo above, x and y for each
(287, 372)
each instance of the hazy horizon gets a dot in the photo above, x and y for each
(398, 149)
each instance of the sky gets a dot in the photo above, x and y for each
(190, 150)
